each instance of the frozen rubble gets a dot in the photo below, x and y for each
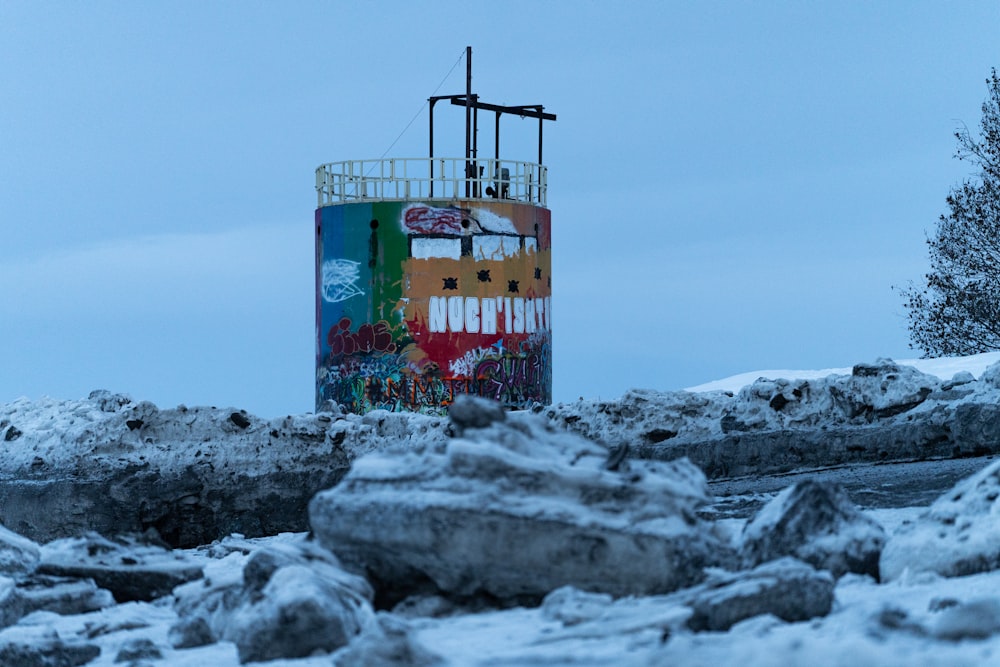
(492, 511)
(111, 465)
(881, 411)
(292, 600)
(958, 535)
(489, 538)
(816, 522)
(131, 567)
(18, 555)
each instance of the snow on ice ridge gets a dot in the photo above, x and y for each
(920, 618)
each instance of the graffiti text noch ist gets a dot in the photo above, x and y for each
(488, 315)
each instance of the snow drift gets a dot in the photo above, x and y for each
(426, 531)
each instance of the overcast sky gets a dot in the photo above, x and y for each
(733, 186)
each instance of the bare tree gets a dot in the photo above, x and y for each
(957, 312)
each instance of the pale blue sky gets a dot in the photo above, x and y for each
(733, 185)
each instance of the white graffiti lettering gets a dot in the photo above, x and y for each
(437, 315)
(459, 314)
(488, 314)
(456, 313)
(466, 364)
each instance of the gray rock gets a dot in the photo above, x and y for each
(204, 607)
(129, 567)
(957, 535)
(191, 633)
(785, 588)
(18, 555)
(138, 648)
(816, 522)
(49, 652)
(292, 600)
(9, 431)
(387, 643)
(297, 615)
(474, 412)
(263, 563)
(517, 512)
(58, 595)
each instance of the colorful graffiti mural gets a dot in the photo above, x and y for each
(418, 302)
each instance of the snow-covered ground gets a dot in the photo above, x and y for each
(943, 367)
(938, 602)
(920, 619)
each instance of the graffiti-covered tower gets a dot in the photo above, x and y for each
(433, 276)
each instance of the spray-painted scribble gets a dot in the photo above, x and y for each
(466, 364)
(340, 278)
(434, 220)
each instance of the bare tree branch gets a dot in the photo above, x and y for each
(957, 310)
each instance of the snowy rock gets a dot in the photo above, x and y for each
(570, 606)
(473, 412)
(107, 401)
(140, 648)
(129, 567)
(977, 619)
(815, 522)
(18, 555)
(204, 607)
(958, 535)
(434, 606)
(787, 589)
(388, 643)
(59, 595)
(626, 620)
(49, 652)
(514, 511)
(9, 614)
(298, 614)
(291, 601)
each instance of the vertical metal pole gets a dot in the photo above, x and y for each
(430, 154)
(496, 139)
(478, 186)
(496, 155)
(540, 123)
(468, 115)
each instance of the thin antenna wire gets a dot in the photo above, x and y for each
(421, 109)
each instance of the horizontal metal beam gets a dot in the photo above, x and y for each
(529, 110)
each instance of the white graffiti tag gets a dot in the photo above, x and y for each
(466, 364)
(340, 277)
